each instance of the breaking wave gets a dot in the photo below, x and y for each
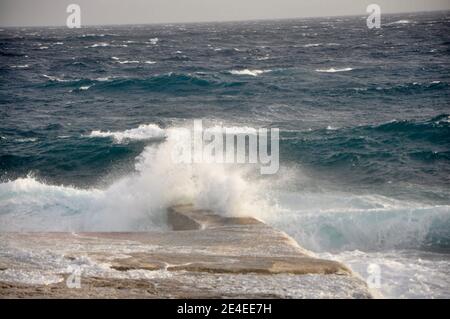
(334, 70)
(168, 82)
(143, 132)
(249, 72)
(135, 202)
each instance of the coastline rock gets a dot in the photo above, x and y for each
(205, 256)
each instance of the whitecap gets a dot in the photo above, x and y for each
(26, 139)
(401, 22)
(24, 66)
(143, 132)
(101, 44)
(249, 72)
(128, 62)
(55, 78)
(311, 45)
(333, 70)
(150, 62)
(103, 79)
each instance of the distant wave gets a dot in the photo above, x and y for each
(405, 88)
(159, 82)
(400, 22)
(106, 44)
(312, 45)
(101, 44)
(20, 66)
(143, 132)
(166, 82)
(89, 36)
(154, 41)
(128, 62)
(417, 128)
(82, 88)
(25, 140)
(57, 79)
(249, 72)
(334, 70)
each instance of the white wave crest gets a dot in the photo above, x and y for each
(339, 221)
(312, 45)
(100, 44)
(334, 70)
(143, 132)
(249, 72)
(135, 202)
(56, 79)
(21, 66)
(128, 62)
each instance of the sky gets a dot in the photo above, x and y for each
(95, 12)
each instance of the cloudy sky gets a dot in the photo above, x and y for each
(53, 12)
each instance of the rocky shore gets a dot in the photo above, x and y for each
(204, 256)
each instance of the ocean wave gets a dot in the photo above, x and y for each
(135, 202)
(100, 44)
(128, 62)
(312, 45)
(399, 22)
(20, 66)
(82, 88)
(143, 132)
(132, 61)
(160, 82)
(106, 44)
(334, 70)
(337, 222)
(415, 126)
(321, 221)
(404, 88)
(165, 83)
(405, 273)
(57, 79)
(92, 35)
(249, 72)
(26, 139)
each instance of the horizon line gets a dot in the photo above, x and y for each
(221, 21)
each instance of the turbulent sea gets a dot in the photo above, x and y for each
(87, 118)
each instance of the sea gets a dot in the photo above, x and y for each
(88, 117)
